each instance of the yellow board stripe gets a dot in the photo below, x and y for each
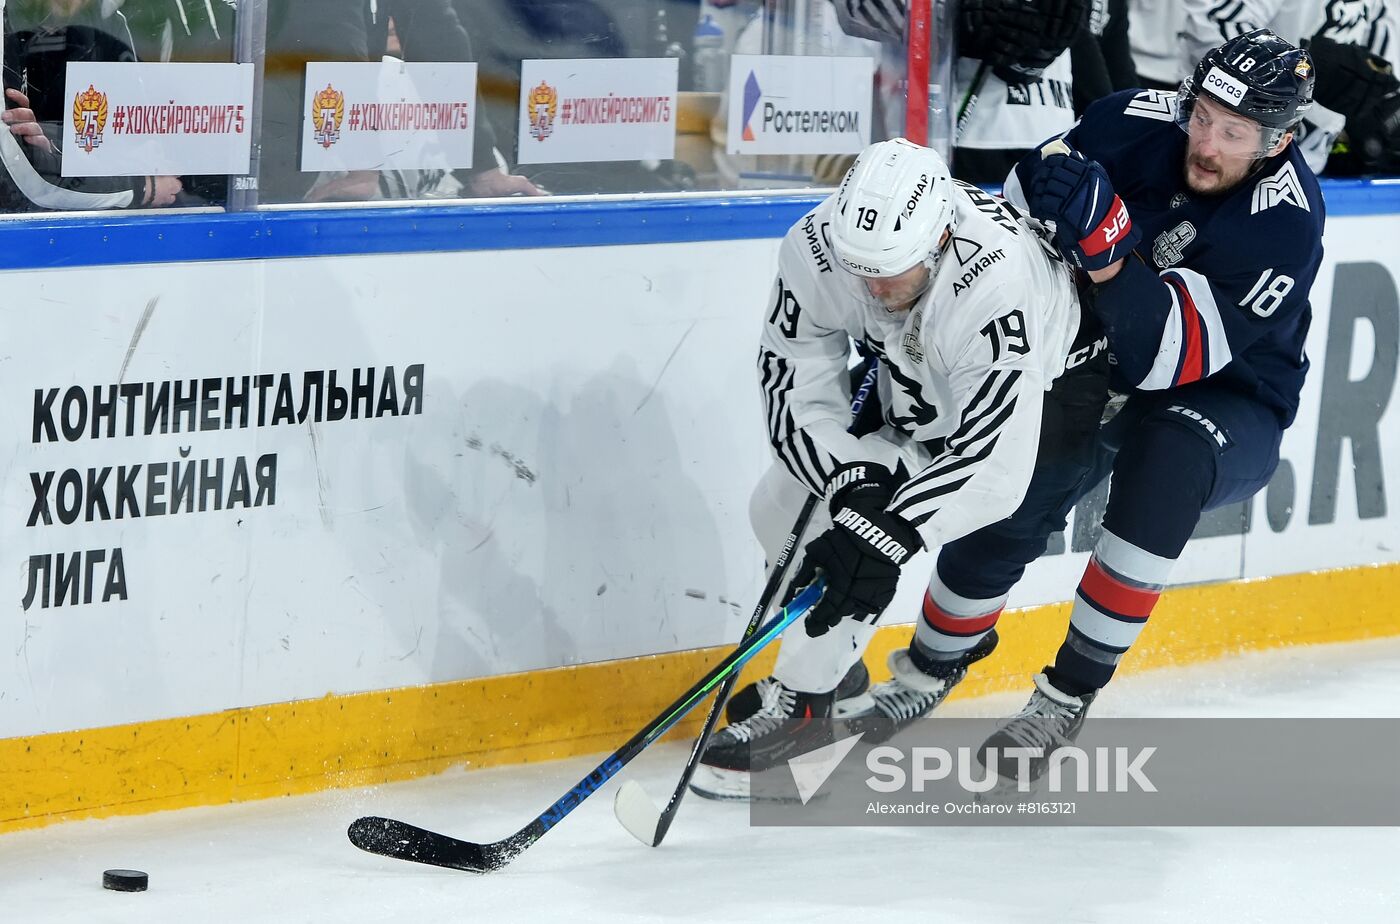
(363, 738)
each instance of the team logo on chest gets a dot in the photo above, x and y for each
(913, 337)
(1170, 245)
(1347, 20)
(920, 414)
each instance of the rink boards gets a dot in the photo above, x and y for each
(332, 498)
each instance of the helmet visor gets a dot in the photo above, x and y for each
(1210, 122)
(891, 293)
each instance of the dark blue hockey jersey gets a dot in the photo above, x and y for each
(1222, 290)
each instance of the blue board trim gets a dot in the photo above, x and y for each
(1362, 197)
(52, 242)
(154, 238)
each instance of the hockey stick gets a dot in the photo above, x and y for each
(404, 841)
(969, 103)
(633, 808)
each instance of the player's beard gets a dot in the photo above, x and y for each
(903, 297)
(1213, 177)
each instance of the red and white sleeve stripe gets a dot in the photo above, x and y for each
(1194, 344)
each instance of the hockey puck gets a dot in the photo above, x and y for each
(125, 880)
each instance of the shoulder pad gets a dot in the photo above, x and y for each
(970, 261)
(1153, 104)
(807, 242)
(815, 241)
(1281, 188)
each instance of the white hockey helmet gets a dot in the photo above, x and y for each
(891, 210)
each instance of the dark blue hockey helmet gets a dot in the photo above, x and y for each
(1257, 75)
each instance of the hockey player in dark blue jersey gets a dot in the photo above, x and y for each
(1197, 227)
(1229, 216)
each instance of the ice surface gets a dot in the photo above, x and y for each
(288, 860)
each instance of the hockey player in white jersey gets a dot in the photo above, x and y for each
(973, 318)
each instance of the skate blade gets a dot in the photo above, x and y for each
(722, 785)
(875, 726)
(859, 704)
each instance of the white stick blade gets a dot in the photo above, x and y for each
(636, 812)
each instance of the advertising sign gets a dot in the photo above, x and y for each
(131, 119)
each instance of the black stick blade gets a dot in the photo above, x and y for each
(390, 838)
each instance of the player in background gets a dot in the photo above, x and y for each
(1200, 226)
(1353, 49)
(1013, 79)
(973, 315)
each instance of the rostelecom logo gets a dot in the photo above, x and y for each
(89, 118)
(543, 105)
(327, 112)
(752, 94)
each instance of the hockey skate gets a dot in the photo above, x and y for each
(1050, 720)
(909, 695)
(850, 694)
(786, 724)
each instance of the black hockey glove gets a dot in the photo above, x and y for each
(1019, 38)
(1374, 135)
(861, 553)
(1092, 225)
(877, 20)
(1350, 80)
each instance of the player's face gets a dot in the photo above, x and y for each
(898, 293)
(1221, 149)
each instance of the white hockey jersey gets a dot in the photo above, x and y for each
(1021, 116)
(963, 372)
(1168, 37)
(998, 116)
